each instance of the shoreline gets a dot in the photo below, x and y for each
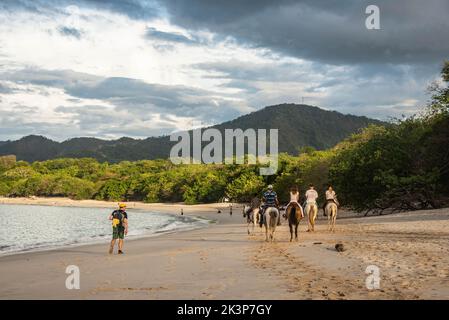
(174, 208)
(222, 261)
(161, 208)
(106, 240)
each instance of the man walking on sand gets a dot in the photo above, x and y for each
(119, 227)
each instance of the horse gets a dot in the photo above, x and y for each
(293, 215)
(270, 222)
(331, 212)
(311, 211)
(251, 218)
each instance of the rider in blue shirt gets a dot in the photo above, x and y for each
(270, 199)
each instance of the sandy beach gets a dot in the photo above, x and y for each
(222, 261)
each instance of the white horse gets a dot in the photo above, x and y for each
(311, 211)
(252, 218)
(331, 212)
(270, 222)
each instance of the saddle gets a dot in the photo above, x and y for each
(331, 200)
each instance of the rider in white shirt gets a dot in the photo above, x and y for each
(311, 195)
(330, 196)
(294, 199)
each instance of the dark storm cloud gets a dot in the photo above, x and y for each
(133, 96)
(49, 78)
(154, 34)
(97, 120)
(16, 124)
(412, 31)
(70, 32)
(244, 70)
(329, 31)
(135, 9)
(5, 89)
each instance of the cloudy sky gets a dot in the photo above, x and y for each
(148, 67)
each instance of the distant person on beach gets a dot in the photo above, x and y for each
(119, 227)
(270, 200)
(330, 197)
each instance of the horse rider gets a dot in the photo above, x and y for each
(270, 199)
(294, 200)
(311, 195)
(330, 197)
(255, 204)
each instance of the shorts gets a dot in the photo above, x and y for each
(118, 232)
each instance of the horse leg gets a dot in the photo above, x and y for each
(296, 231)
(334, 218)
(291, 231)
(310, 216)
(313, 218)
(308, 219)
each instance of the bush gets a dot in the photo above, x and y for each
(4, 189)
(245, 187)
(114, 190)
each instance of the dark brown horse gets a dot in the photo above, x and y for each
(293, 215)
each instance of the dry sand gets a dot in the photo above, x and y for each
(223, 262)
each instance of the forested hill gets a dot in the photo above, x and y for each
(299, 126)
(302, 125)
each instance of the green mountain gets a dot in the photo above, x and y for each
(299, 126)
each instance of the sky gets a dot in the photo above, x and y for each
(142, 68)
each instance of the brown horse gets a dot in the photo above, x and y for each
(294, 216)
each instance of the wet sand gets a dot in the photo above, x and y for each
(222, 261)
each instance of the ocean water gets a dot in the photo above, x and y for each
(29, 228)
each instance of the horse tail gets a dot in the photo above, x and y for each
(293, 218)
(273, 215)
(334, 210)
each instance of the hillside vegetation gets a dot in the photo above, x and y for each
(299, 126)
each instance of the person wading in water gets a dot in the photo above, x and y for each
(119, 227)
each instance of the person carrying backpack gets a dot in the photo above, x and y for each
(119, 227)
